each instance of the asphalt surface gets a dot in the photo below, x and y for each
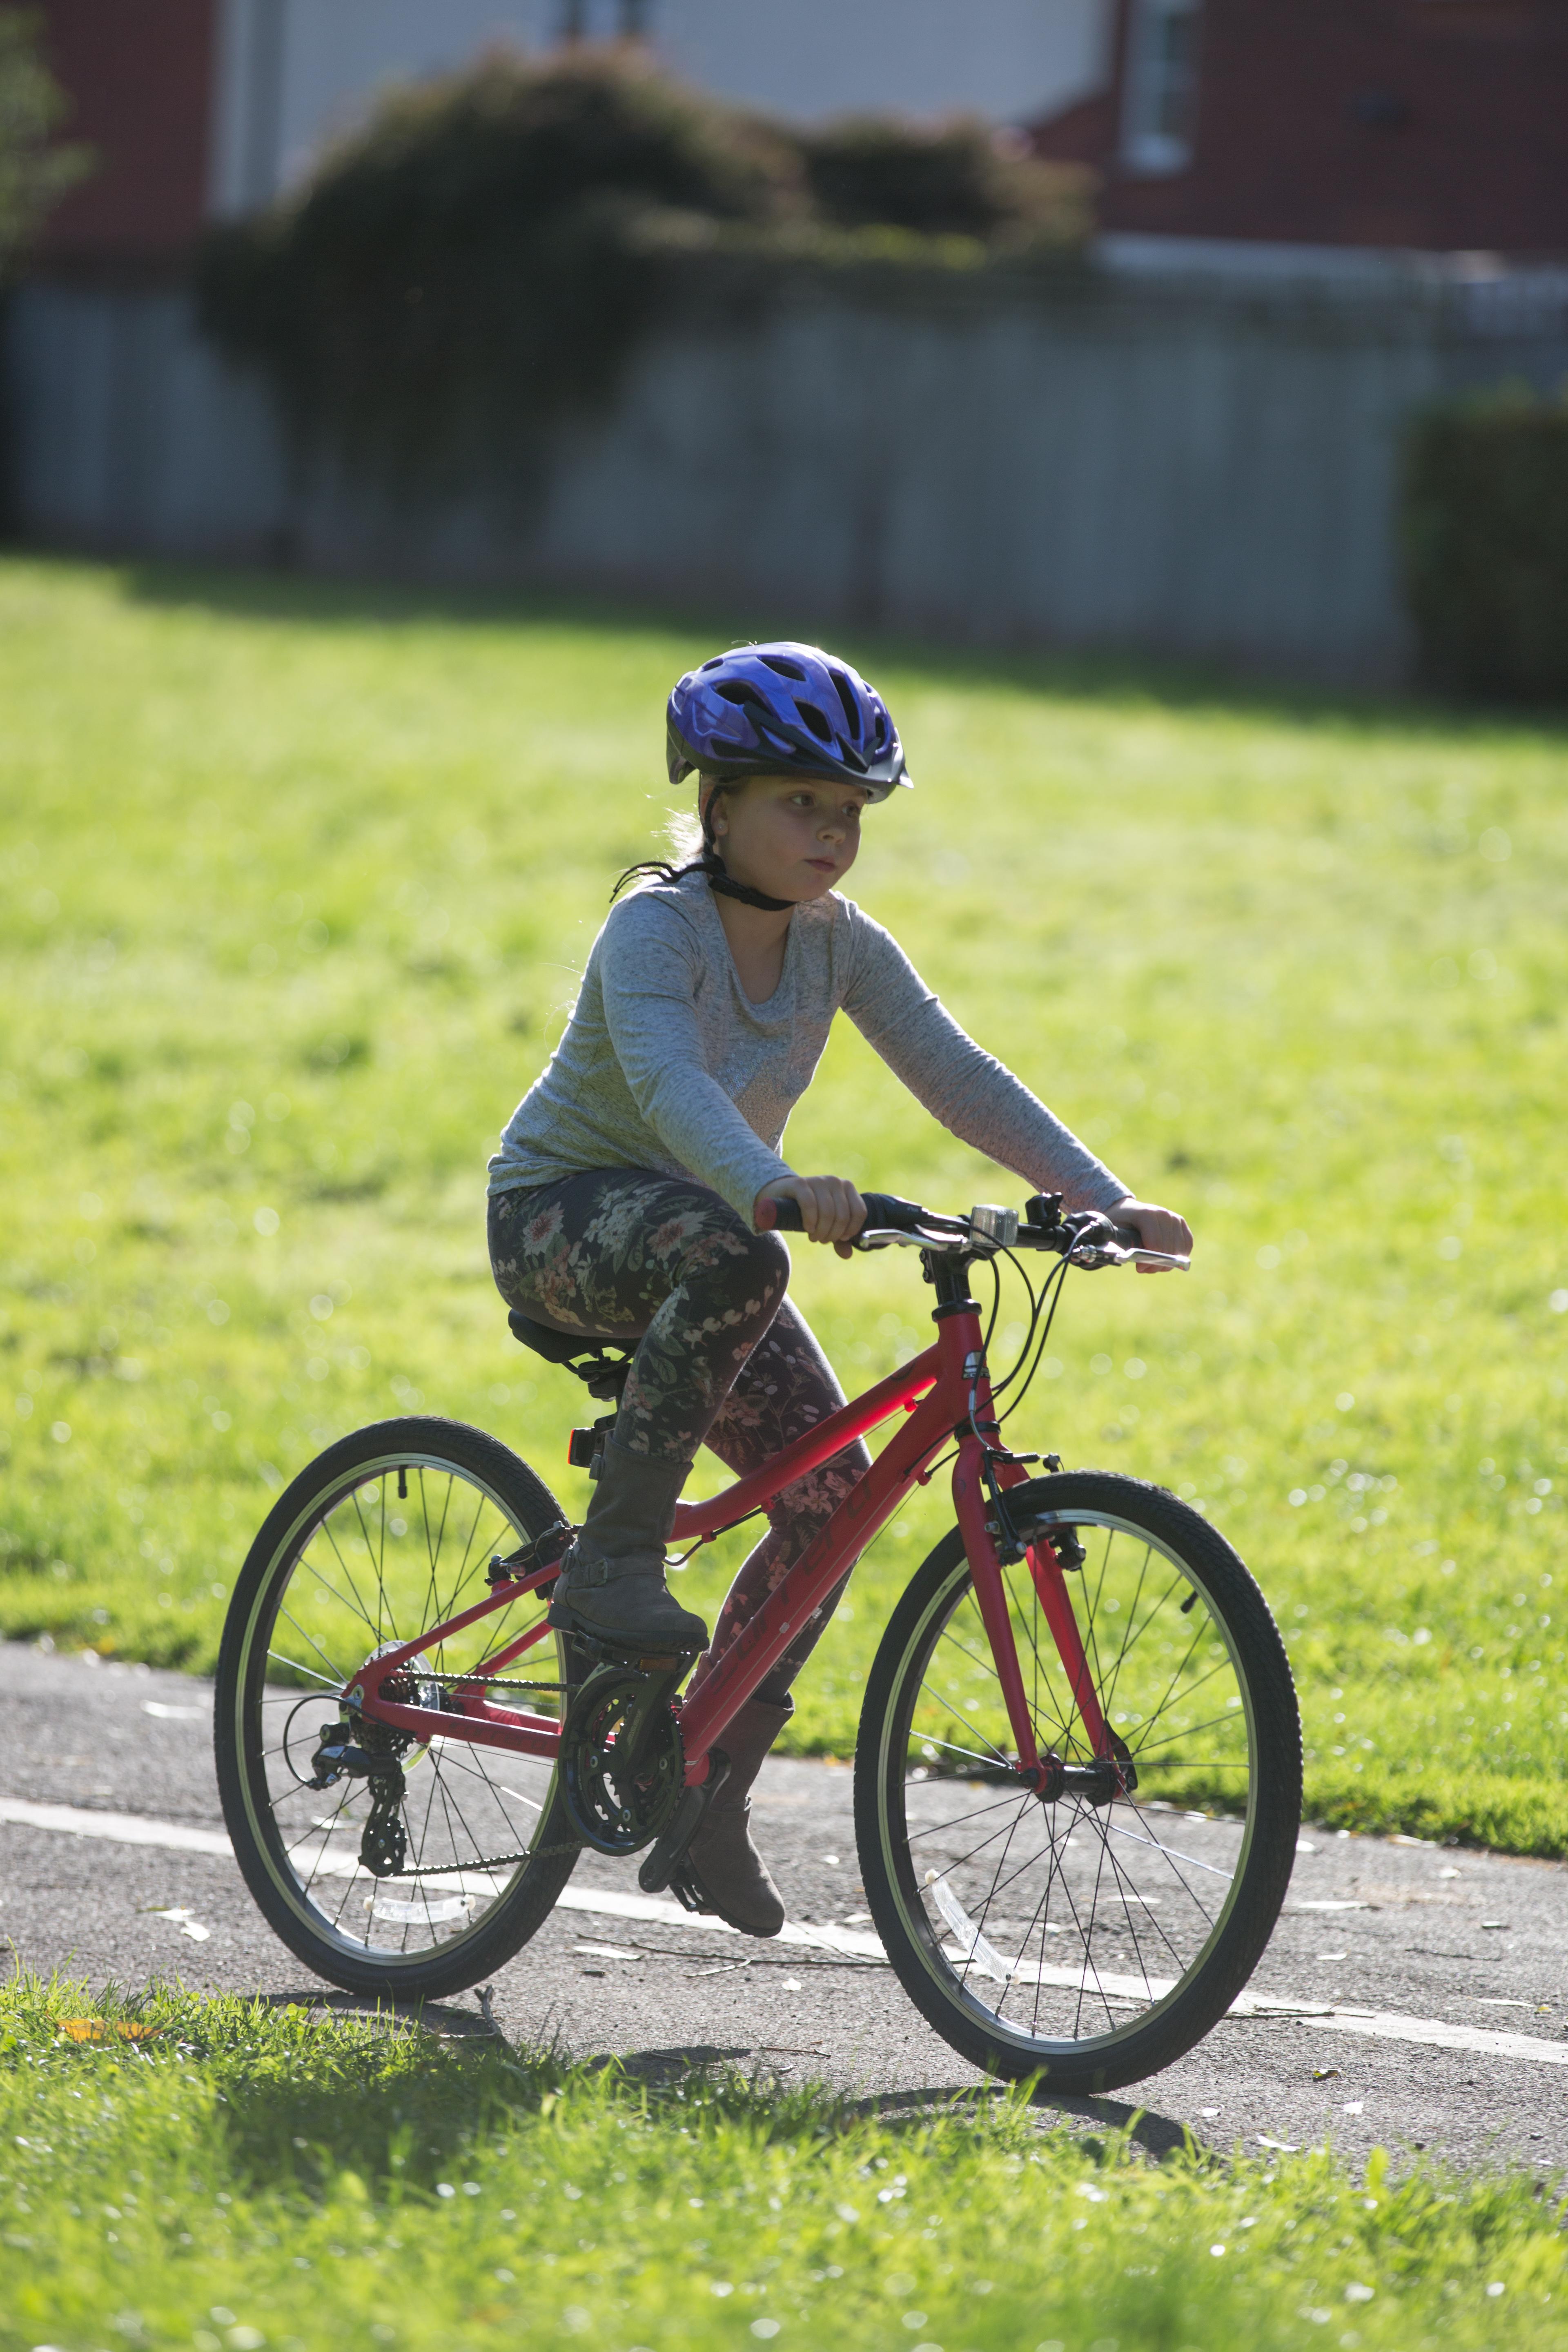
(1454, 1940)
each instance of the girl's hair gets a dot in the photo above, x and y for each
(692, 840)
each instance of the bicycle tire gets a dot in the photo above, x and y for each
(470, 1925)
(944, 1949)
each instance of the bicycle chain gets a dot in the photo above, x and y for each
(497, 1682)
(497, 1861)
(492, 1862)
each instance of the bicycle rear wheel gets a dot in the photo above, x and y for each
(386, 1534)
(1089, 1944)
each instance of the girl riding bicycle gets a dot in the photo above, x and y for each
(624, 1199)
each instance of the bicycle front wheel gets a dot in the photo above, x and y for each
(384, 1536)
(1088, 1942)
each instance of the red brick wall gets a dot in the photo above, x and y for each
(139, 74)
(1476, 158)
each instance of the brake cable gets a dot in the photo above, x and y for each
(1051, 1297)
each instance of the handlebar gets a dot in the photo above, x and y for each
(885, 1212)
(1086, 1238)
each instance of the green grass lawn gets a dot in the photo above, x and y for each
(244, 2178)
(295, 884)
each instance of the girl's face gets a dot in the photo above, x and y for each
(789, 836)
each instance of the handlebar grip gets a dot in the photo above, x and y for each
(885, 1211)
(780, 1217)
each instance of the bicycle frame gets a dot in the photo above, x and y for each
(946, 1392)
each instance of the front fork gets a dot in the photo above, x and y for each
(1048, 1775)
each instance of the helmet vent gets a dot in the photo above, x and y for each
(851, 758)
(815, 720)
(786, 668)
(739, 690)
(851, 711)
(717, 663)
(882, 729)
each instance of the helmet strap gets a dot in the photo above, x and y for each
(722, 881)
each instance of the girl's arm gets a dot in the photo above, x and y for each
(978, 1098)
(974, 1095)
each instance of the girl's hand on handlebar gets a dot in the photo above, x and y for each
(831, 1209)
(1156, 1228)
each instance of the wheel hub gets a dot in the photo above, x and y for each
(1099, 1782)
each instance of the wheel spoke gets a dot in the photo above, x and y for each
(327, 1529)
(934, 1828)
(332, 1682)
(335, 1673)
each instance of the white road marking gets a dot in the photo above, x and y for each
(605, 1903)
(1385, 2026)
(1434, 2034)
(1389, 2026)
(135, 1829)
(124, 1829)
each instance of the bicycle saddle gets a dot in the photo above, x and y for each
(599, 1362)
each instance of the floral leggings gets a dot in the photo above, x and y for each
(723, 1356)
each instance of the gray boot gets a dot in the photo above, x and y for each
(722, 1868)
(612, 1580)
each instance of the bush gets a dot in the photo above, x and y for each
(1485, 545)
(34, 173)
(468, 258)
(958, 179)
(483, 256)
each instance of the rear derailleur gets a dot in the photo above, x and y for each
(372, 1752)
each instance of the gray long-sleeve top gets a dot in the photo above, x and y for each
(667, 1063)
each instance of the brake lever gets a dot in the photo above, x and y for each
(877, 1237)
(1092, 1255)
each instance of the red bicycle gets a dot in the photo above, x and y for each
(1078, 1777)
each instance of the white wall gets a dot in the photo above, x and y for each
(293, 73)
(1011, 59)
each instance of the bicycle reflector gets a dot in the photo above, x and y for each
(585, 1447)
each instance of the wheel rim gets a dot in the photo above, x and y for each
(1064, 1928)
(364, 1566)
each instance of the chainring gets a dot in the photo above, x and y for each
(622, 1765)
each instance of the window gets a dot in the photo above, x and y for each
(1162, 85)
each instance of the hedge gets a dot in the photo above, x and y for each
(1485, 545)
(481, 258)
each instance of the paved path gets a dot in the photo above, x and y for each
(1439, 1976)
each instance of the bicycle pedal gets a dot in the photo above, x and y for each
(684, 1889)
(668, 1853)
(544, 1551)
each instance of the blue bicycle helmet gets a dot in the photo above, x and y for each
(784, 709)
